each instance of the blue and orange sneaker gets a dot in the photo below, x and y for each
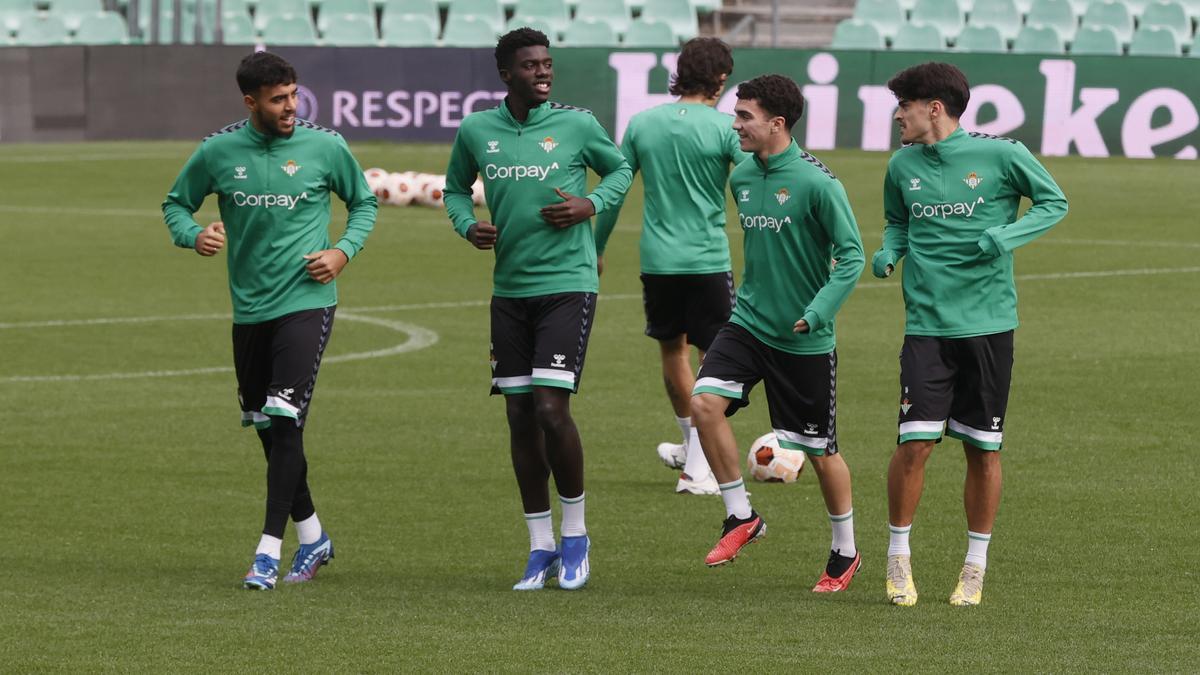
(309, 558)
(263, 572)
(542, 565)
(575, 570)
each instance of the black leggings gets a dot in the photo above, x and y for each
(287, 475)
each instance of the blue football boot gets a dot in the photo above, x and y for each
(309, 558)
(542, 565)
(263, 572)
(574, 572)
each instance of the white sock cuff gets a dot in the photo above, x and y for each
(842, 518)
(684, 421)
(537, 516)
(899, 530)
(730, 486)
(977, 536)
(571, 500)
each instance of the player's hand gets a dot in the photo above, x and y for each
(211, 239)
(324, 266)
(482, 235)
(568, 212)
(599, 265)
(800, 327)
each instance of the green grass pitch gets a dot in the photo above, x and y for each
(131, 505)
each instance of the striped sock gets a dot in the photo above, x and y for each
(737, 502)
(541, 531)
(898, 544)
(572, 516)
(977, 546)
(843, 534)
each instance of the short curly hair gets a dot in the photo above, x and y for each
(513, 40)
(776, 94)
(933, 81)
(263, 69)
(701, 64)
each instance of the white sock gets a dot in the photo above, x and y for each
(898, 543)
(309, 530)
(843, 534)
(572, 516)
(685, 427)
(541, 531)
(272, 546)
(977, 546)
(737, 502)
(696, 466)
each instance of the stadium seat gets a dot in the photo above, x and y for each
(237, 29)
(1023, 6)
(11, 20)
(488, 11)
(919, 37)
(406, 30)
(1195, 50)
(1095, 40)
(1169, 15)
(72, 11)
(678, 14)
(980, 39)
(944, 15)
(590, 33)
(1136, 7)
(536, 23)
(1057, 14)
(17, 6)
(705, 6)
(1154, 42)
(1080, 6)
(268, 10)
(553, 13)
(614, 12)
(1192, 7)
(1111, 14)
(1038, 40)
(350, 30)
(427, 9)
(289, 30)
(885, 15)
(166, 27)
(1000, 14)
(857, 34)
(643, 33)
(337, 8)
(42, 30)
(102, 28)
(468, 31)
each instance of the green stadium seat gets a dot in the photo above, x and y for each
(919, 37)
(944, 15)
(1080, 6)
(102, 28)
(1111, 14)
(338, 8)
(705, 6)
(1154, 42)
(1000, 14)
(166, 27)
(350, 30)
(1169, 15)
(1023, 6)
(590, 33)
(11, 20)
(908, 5)
(613, 12)
(268, 10)
(536, 23)
(289, 30)
(73, 11)
(1192, 7)
(237, 29)
(553, 13)
(1136, 7)
(885, 15)
(488, 11)
(857, 34)
(678, 14)
(42, 30)
(980, 39)
(408, 30)
(1038, 40)
(424, 8)
(1095, 40)
(1057, 14)
(1194, 52)
(644, 33)
(469, 31)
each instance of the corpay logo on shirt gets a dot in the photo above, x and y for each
(288, 202)
(517, 173)
(764, 222)
(920, 210)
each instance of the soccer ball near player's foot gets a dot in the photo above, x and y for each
(770, 463)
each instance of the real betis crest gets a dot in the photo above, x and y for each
(782, 196)
(548, 144)
(291, 167)
(972, 180)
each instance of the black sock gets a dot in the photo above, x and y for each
(285, 471)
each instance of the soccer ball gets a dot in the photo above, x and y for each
(477, 194)
(400, 189)
(770, 463)
(429, 188)
(375, 178)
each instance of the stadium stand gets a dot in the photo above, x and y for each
(1170, 16)
(350, 30)
(613, 12)
(72, 12)
(885, 15)
(1097, 40)
(102, 28)
(1195, 50)
(289, 29)
(468, 31)
(857, 34)
(999, 14)
(237, 29)
(643, 33)
(944, 15)
(536, 23)
(331, 9)
(1111, 14)
(590, 33)
(553, 13)
(1056, 14)
(1154, 42)
(408, 30)
(975, 38)
(678, 14)
(1037, 39)
(268, 10)
(919, 37)
(42, 30)
(488, 11)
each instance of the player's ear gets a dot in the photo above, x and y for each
(505, 76)
(251, 102)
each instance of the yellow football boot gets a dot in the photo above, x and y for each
(969, 591)
(900, 587)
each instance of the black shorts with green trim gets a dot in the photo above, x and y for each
(801, 389)
(540, 341)
(695, 305)
(958, 386)
(276, 363)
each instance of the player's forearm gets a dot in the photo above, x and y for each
(461, 209)
(850, 262)
(605, 222)
(181, 224)
(359, 224)
(611, 189)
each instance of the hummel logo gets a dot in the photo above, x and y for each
(810, 429)
(558, 361)
(287, 393)
(745, 196)
(493, 147)
(290, 168)
(239, 173)
(914, 184)
(996, 423)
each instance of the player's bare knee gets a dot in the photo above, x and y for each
(519, 410)
(914, 452)
(553, 411)
(707, 408)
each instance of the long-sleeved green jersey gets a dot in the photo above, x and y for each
(797, 220)
(521, 165)
(951, 210)
(273, 195)
(685, 152)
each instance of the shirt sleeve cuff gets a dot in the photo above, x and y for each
(347, 248)
(596, 203)
(880, 262)
(813, 320)
(989, 246)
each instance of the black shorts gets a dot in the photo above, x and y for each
(276, 363)
(801, 389)
(696, 305)
(957, 384)
(540, 341)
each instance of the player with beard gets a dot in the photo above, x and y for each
(533, 156)
(273, 174)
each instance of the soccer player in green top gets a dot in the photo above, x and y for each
(684, 150)
(950, 201)
(533, 156)
(797, 222)
(273, 175)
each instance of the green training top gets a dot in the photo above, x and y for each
(273, 194)
(797, 220)
(521, 164)
(951, 208)
(684, 151)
